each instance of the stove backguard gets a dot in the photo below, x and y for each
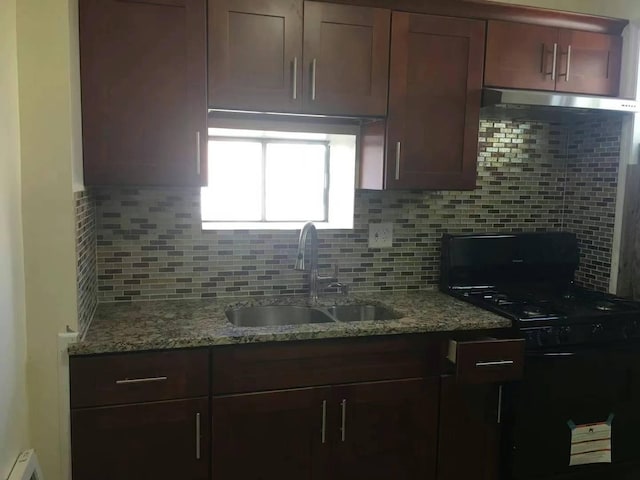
(549, 259)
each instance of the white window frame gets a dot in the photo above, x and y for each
(342, 142)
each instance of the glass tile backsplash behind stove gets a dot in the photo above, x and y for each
(531, 176)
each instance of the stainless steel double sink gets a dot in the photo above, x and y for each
(274, 315)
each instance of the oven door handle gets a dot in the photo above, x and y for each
(559, 354)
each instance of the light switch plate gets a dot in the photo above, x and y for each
(380, 235)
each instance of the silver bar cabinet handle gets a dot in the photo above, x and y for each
(140, 380)
(343, 428)
(499, 416)
(398, 146)
(197, 436)
(324, 421)
(555, 59)
(566, 78)
(198, 159)
(295, 78)
(494, 363)
(314, 67)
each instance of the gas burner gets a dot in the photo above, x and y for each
(531, 311)
(497, 298)
(606, 306)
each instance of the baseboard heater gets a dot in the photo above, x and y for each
(26, 467)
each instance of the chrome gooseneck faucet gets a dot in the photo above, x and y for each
(309, 230)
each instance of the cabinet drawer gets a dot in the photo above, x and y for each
(487, 360)
(138, 377)
(253, 368)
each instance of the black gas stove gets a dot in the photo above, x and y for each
(582, 355)
(528, 277)
(570, 316)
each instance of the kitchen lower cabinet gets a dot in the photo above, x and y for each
(375, 430)
(271, 435)
(387, 430)
(143, 67)
(469, 436)
(373, 408)
(159, 440)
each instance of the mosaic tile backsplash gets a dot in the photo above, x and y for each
(590, 199)
(86, 258)
(532, 176)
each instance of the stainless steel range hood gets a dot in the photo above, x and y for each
(522, 101)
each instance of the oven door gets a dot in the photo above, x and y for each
(579, 386)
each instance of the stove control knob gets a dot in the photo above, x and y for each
(545, 337)
(530, 338)
(564, 334)
(597, 330)
(630, 329)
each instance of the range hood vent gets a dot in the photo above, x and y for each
(533, 105)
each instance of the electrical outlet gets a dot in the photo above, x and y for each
(380, 235)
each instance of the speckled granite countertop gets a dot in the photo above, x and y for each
(123, 327)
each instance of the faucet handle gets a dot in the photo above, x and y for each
(342, 287)
(335, 283)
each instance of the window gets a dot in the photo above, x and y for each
(278, 179)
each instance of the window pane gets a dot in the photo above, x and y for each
(295, 182)
(235, 181)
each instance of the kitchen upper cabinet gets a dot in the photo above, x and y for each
(259, 59)
(143, 69)
(346, 59)
(386, 430)
(545, 58)
(279, 434)
(469, 423)
(159, 440)
(434, 103)
(589, 63)
(255, 55)
(520, 56)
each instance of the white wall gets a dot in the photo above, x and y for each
(48, 88)
(612, 8)
(13, 394)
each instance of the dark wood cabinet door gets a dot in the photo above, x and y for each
(255, 55)
(149, 440)
(520, 55)
(144, 107)
(434, 102)
(469, 431)
(264, 436)
(385, 430)
(593, 65)
(346, 59)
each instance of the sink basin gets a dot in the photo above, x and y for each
(276, 315)
(360, 313)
